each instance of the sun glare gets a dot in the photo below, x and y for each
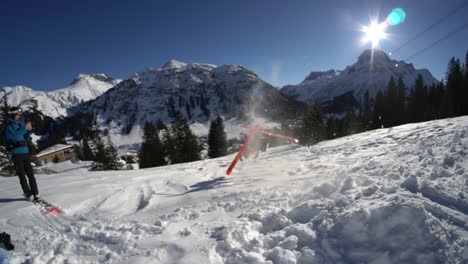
(374, 33)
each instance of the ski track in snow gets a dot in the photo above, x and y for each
(397, 195)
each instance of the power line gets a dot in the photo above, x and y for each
(451, 13)
(453, 32)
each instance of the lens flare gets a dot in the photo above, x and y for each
(397, 16)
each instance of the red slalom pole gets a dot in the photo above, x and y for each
(239, 154)
(268, 133)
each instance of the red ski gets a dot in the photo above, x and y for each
(47, 208)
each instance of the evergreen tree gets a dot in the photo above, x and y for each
(112, 156)
(401, 102)
(78, 152)
(87, 152)
(435, 97)
(5, 107)
(5, 160)
(106, 157)
(180, 143)
(332, 128)
(367, 112)
(100, 155)
(390, 100)
(160, 125)
(378, 111)
(168, 144)
(186, 141)
(465, 87)
(151, 153)
(217, 140)
(351, 124)
(313, 129)
(454, 96)
(418, 101)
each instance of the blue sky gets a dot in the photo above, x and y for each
(45, 44)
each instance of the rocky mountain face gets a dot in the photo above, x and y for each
(198, 91)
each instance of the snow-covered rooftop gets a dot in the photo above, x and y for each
(52, 149)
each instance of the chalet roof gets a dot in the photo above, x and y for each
(52, 149)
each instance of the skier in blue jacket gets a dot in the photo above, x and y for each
(17, 136)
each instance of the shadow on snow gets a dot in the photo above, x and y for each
(219, 182)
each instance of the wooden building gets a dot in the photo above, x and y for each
(56, 153)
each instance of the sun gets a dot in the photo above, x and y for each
(374, 33)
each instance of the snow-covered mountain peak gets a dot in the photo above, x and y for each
(55, 103)
(371, 72)
(174, 64)
(373, 55)
(93, 76)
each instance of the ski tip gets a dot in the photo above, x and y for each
(53, 211)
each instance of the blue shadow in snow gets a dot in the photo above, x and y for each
(219, 182)
(10, 200)
(207, 185)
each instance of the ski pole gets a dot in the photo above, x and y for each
(271, 134)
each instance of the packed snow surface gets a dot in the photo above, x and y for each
(396, 195)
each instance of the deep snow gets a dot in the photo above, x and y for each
(397, 195)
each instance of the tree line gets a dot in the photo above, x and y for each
(178, 144)
(103, 153)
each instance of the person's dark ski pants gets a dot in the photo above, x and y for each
(23, 169)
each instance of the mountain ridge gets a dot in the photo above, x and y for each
(55, 103)
(371, 72)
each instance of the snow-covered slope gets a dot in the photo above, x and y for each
(370, 73)
(198, 91)
(396, 195)
(55, 103)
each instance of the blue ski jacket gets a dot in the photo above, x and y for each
(17, 134)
